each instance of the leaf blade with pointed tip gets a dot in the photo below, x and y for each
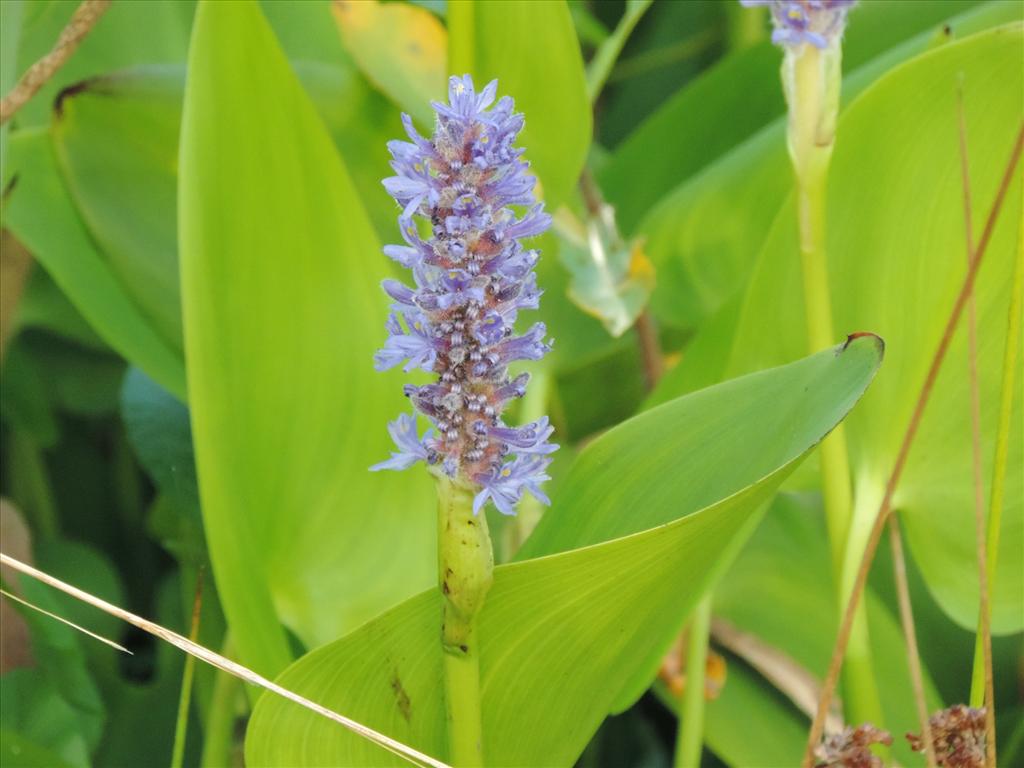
(636, 533)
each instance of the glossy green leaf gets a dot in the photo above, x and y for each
(638, 530)
(401, 48)
(704, 235)
(117, 145)
(501, 39)
(134, 230)
(42, 216)
(715, 112)
(897, 268)
(282, 317)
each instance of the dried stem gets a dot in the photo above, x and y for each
(899, 567)
(984, 623)
(220, 662)
(650, 348)
(82, 20)
(828, 688)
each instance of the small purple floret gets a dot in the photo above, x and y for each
(817, 22)
(472, 278)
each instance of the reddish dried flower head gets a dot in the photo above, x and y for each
(851, 748)
(959, 736)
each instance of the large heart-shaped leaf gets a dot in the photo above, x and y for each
(501, 39)
(896, 266)
(279, 285)
(647, 518)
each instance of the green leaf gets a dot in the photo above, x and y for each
(160, 433)
(715, 111)
(896, 268)
(734, 99)
(128, 34)
(117, 144)
(704, 235)
(501, 39)
(119, 133)
(638, 530)
(42, 216)
(280, 273)
(40, 729)
(401, 48)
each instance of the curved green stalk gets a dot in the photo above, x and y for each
(219, 727)
(185, 697)
(690, 735)
(995, 514)
(465, 572)
(608, 52)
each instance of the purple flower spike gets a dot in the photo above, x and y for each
(817, 22)
(472, 278)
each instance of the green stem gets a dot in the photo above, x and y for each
(690, 736)
(812, 80)
(465, 572)
(995, 513)
(30, 485)
(608, 53)
(835, 462)
(185, 697)
(218, 735)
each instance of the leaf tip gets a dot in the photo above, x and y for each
(877, 340)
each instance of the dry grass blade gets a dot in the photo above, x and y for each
(899, 567)
(843, 637)
(62, 620)
(220, 662)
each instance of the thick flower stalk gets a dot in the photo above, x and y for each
(469, 187)
(472, 277)
(810, 33)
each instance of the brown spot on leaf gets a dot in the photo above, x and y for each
(401, 697)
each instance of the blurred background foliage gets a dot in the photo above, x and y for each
(684, 139)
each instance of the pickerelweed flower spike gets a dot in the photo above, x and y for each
(817, 22)
(472, 277)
